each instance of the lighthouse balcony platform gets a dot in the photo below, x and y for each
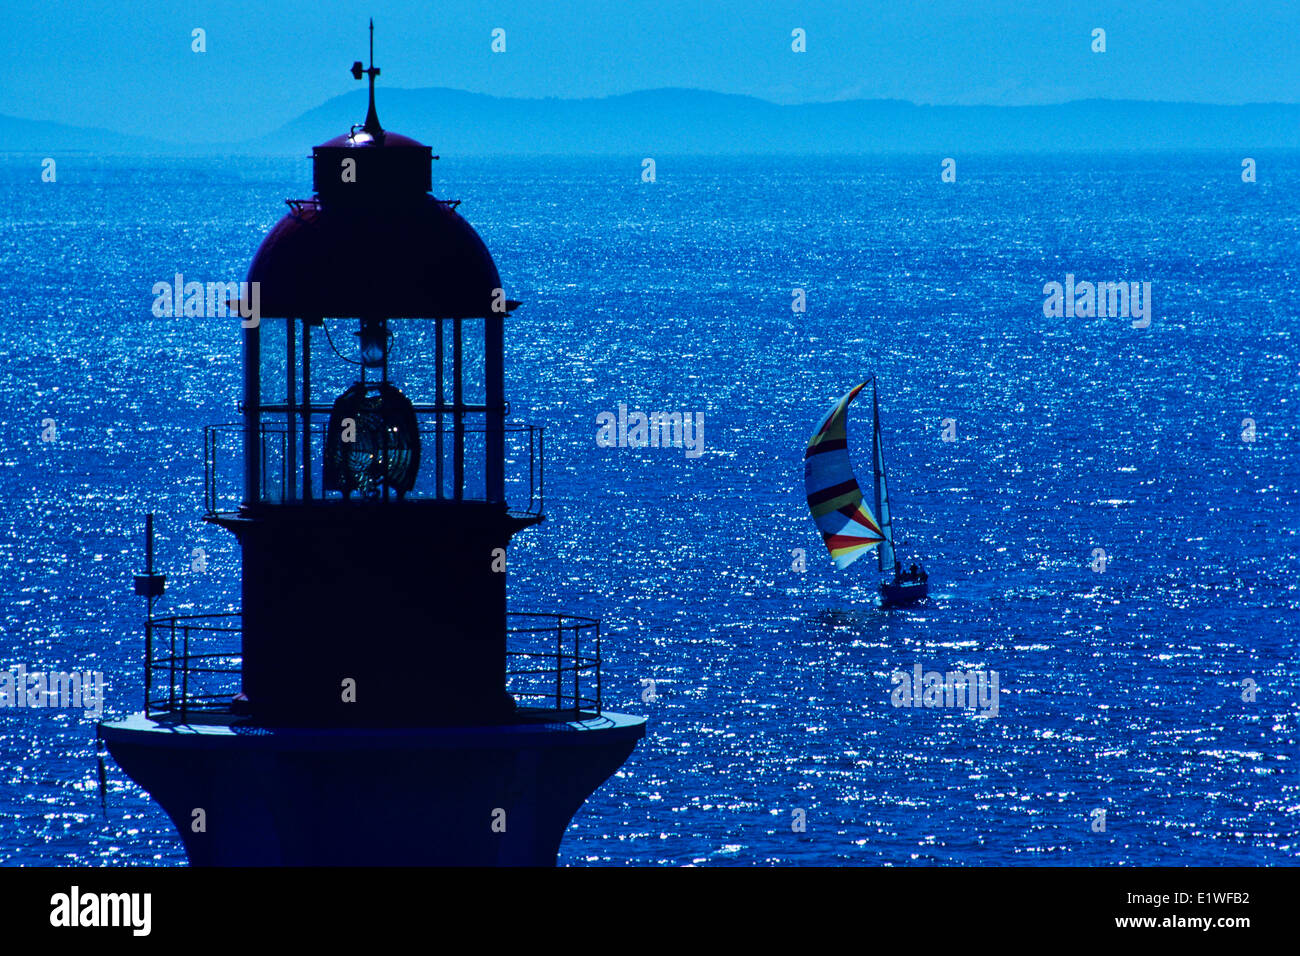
(450, 465)
(193, 669)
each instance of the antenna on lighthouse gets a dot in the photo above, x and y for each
(371, 125)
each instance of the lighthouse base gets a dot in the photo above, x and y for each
(499, 795)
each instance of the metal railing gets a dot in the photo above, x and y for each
(524, 465)
(197, 647)
(545, 670)
(193, 663)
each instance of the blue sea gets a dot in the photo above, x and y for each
(1018, 446)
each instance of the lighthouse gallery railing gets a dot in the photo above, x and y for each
(193, 663)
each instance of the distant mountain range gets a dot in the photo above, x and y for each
(37, 136)
(676, 121)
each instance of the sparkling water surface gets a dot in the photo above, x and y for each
(1121, 690)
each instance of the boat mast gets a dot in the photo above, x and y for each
(883, 515)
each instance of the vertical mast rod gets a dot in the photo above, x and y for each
(878, 468)
(878, 455)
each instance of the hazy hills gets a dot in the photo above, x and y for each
(36, 136)
(674, 121)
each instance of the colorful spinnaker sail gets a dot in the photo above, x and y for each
(834, 498)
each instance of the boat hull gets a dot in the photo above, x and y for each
(897, 594)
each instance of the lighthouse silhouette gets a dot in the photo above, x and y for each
(374, 703)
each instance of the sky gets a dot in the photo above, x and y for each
(129, 66)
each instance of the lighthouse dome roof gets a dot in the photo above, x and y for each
(418, 258)
(373, 241)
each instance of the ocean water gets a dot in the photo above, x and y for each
(1121, 689)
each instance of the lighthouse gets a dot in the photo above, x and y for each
(374, 702)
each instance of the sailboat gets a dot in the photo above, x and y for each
(850, 525)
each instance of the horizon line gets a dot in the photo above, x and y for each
(362, 95)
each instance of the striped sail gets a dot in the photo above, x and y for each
(834, 498)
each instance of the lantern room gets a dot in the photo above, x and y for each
(375, 277)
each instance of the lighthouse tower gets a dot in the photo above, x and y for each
(374, 702)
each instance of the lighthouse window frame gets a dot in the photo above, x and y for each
(466, 444)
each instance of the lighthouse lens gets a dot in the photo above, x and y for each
(381, 446)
